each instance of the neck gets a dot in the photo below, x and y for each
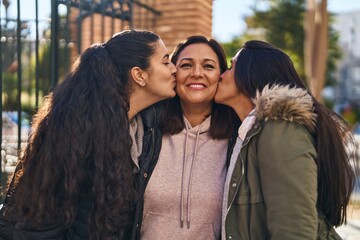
(196, 113)
(243, 108)
(138, 102)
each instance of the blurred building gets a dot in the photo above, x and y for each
(173, 20)
(182, 18)
(348, 87)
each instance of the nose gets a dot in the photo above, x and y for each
(173, 69)
(197, 71)
(222, 75)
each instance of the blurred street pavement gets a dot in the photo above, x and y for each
(351, 231)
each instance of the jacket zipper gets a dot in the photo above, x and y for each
(153, 135)
(242, 167)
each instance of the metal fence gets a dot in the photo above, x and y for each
(37, 51)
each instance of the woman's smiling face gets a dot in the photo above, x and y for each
(198, 73)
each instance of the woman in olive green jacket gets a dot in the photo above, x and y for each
(289, 175)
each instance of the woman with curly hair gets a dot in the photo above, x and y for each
(75, 179)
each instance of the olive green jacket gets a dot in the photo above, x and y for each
(273, 188)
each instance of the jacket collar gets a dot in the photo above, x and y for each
(286, 103)
(150, 116)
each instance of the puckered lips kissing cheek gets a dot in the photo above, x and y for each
(173, 79)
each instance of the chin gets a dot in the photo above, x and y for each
(217, 100)
(173, 94)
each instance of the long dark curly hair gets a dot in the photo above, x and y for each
(80, 142)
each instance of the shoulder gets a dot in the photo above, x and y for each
(285, 136)
(150, 115)
(284, 130)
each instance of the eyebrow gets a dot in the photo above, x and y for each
(206, 59)
(166, 56)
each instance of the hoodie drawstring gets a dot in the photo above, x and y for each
(182, 182)
(190, 180)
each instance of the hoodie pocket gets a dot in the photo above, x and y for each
(163, 227)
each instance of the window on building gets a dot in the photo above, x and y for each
(356, 74)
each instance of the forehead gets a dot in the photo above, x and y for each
(198, 50)
(160, 49)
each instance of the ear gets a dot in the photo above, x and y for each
(139, 76)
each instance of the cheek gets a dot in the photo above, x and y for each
(180, 77)
(228, 79)
(214, 78)
(230, 86)
(214, 88)
(180, 92)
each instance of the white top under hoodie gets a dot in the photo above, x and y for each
(183, 198)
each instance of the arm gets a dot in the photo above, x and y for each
(286, 158)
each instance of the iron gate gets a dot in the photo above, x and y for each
(36, 52)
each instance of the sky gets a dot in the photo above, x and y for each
(228, 15)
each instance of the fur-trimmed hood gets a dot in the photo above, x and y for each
(283, 102)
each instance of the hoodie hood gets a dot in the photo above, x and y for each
(204, 127)
(283, 102)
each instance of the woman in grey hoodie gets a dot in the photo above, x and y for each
(184, 195)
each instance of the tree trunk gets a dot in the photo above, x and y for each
(316, 45)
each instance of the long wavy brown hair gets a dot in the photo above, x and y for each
(80, 142)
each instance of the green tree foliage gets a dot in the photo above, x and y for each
(234, 45)
(283, 21)
(283, 25)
